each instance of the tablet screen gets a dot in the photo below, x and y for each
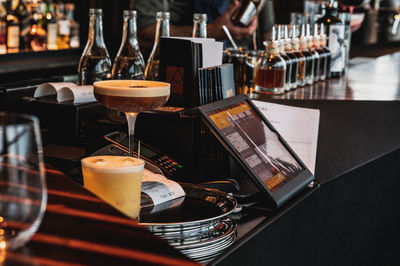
(257, 144)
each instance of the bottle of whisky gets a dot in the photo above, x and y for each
(325, 49)
(336, 42)
(314, 52)
(13, 29)
(74, 39)
(51, 26)
(322, 54)
(63, 27)
(247, 11)
(277, 37)
(95, 63)
(271, 71)
(129, 62)
(162, 30)
(301, 74)
(23, 16)
(287, 43)
(199, 25)
(309, 56)
(37, 35)
(3, 34)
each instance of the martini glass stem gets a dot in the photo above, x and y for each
(131, 118)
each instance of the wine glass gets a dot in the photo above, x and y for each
(131, 97)
(23, 194)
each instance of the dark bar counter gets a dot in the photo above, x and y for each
(80, 229)
(348, 218)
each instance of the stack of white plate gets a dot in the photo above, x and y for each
(197, 225)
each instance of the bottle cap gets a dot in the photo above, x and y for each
(95, 12)
(271, 47)
(333, 4)
(163, 15)
(69, 6)
(200, 17)
(130, 14)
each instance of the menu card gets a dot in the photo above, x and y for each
(66, 91)
(180, 59)
(298, 126)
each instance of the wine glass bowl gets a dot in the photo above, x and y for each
(23, 194)
(356, 21)
(131, 97)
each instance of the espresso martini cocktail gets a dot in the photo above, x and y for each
(131, 97)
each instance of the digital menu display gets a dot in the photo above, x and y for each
(257, 144)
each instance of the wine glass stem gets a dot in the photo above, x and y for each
(131, 118)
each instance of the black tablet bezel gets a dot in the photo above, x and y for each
(288, 190)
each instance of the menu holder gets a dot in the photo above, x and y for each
(66, 91)
(258, 148)
(180, 59)
(215, 83)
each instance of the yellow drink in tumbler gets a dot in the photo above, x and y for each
(115, 179)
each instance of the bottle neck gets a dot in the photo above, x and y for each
(272, 48)
(129, 35)
(9, 9)
(162, 30)
(70, 15)
(96, 31)
(331, 11)
(310, 42)
(322, 42)
(296, 44)
(199, 29)
(288, 45)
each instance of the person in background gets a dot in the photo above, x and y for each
(219, 12)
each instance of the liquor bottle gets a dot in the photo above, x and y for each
(162, 30)
(23, 15)
(327, 52)
(199, 25)
(129, 62)
(13, 29)
(3, 35)
(277, 36)
(309, 57)
(50, 25)
(63, 27)
(74, 39)
(335, 29)
(271, 71)
(287, 43)
(247, 11)
(37, 35)
(301, 74)
(323, 55)
(314, 52)
(95, 63)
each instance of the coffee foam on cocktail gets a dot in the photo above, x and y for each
(114, 164)
(132, 88)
